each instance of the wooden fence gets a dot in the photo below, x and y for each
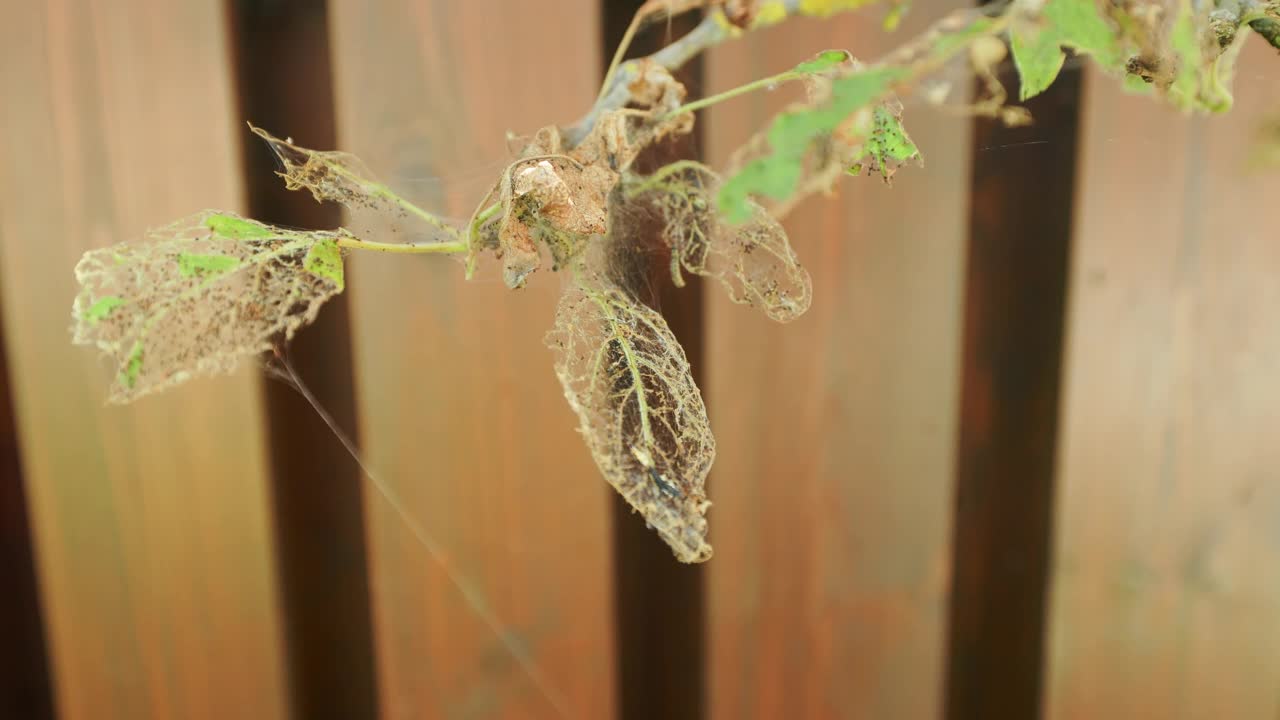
(1017, 460)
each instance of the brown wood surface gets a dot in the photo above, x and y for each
(832, 489)
(1016, 266)
(152, 544)
(459, 408)
(1166, 596)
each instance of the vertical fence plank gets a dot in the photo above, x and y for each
(1166, 590)
(285, 85)
(152, 544)
(460, 410)
(660, 611)
(1015, 295)
(832, 488)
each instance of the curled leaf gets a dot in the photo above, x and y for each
(639, 411)
(752, 260)
(343, 178)
(557, 196)
(197, 296)
(552, 200)
(330, 175)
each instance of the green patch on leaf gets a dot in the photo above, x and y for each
(132, 366)
(776, 175)
(238, 228)
(822, 62)
(191, 265)
(100, 309)
(324, 259)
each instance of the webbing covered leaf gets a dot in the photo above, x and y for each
(639, 411)
(197, 296)
(752, 260)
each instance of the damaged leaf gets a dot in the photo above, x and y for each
(639, 411)
(343, 178)
(753, 260)
(558, 197)
(807, 147)
(887, 147)
(196, 297)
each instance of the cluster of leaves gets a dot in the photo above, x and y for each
(197, 296)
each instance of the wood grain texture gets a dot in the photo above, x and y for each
(1166, 595)
(460, 410)
(152, 545)
(832, 488)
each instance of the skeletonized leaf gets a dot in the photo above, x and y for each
(639, 411)
(196, 296)
(343, 178)
(752, 260)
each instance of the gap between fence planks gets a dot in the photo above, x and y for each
(459, 408)
(152, 547)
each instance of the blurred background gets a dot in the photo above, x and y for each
(1019, 460)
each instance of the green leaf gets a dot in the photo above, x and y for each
(776, 175)
(191, 265)
(101, 308)
(324, 259)
(237, 228)
(1038, 56)
(1084, 28)
(1076, 24)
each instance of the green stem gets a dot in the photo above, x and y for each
(731, 93)
(456, 246)
(633, 366)
(483, 216)
(382, 191)
(650, 182)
